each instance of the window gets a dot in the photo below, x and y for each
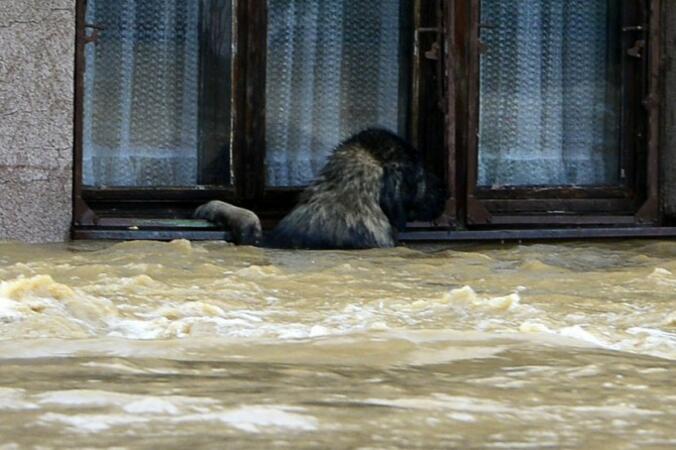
(536, 113)
(145, 88)
(549, 110)
(333, 68)
(554, 112)
(181, 101)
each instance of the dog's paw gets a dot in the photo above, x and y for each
(209, 211)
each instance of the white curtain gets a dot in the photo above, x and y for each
(141, 88)
(549, 111)
(333, 68)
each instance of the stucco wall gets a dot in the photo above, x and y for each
(668, 138)
(37, 46)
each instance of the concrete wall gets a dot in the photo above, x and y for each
(37, 48)
(668, 135)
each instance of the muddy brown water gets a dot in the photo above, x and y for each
(173, 345)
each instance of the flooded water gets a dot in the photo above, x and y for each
(173, 345)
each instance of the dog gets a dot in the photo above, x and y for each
(372, 184)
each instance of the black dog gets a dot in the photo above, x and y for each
(371, 185)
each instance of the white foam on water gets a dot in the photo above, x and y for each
(655, 333)
(138, 329)
(41, 300)
(662, 277)
(130, 410)
(13, 399)
(443, 402)
(652, 341)
(127, 402)
(260, 419)
(116, 367)
(38, 306)
(453, 353)
(465, 297)
(151, 406)
(11, 311)
(577, 332)
(92, 423)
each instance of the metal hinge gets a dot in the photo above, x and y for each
(94, 37)
(636, 50)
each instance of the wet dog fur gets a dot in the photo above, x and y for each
(371, 185)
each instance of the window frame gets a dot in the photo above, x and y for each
(119, 206)
(444, 114)
(111, 206)
(635, 203)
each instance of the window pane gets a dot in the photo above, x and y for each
(549, 106)
(333, 68)
(141, 99)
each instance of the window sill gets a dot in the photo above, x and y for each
(199, 230)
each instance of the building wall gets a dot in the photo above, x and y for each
(37, 48)
(668, 137)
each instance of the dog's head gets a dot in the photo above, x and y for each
(428, 196)
(408, 191)
(411, 193)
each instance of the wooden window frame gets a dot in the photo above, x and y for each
(444, 121)
(118, 206)
(121, 207)
(634, 204)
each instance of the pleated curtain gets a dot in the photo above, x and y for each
(141, 93)
(549, 111)
(333, 68)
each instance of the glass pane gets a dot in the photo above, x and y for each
(333, 68)
(549, 106)
(141, 99)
